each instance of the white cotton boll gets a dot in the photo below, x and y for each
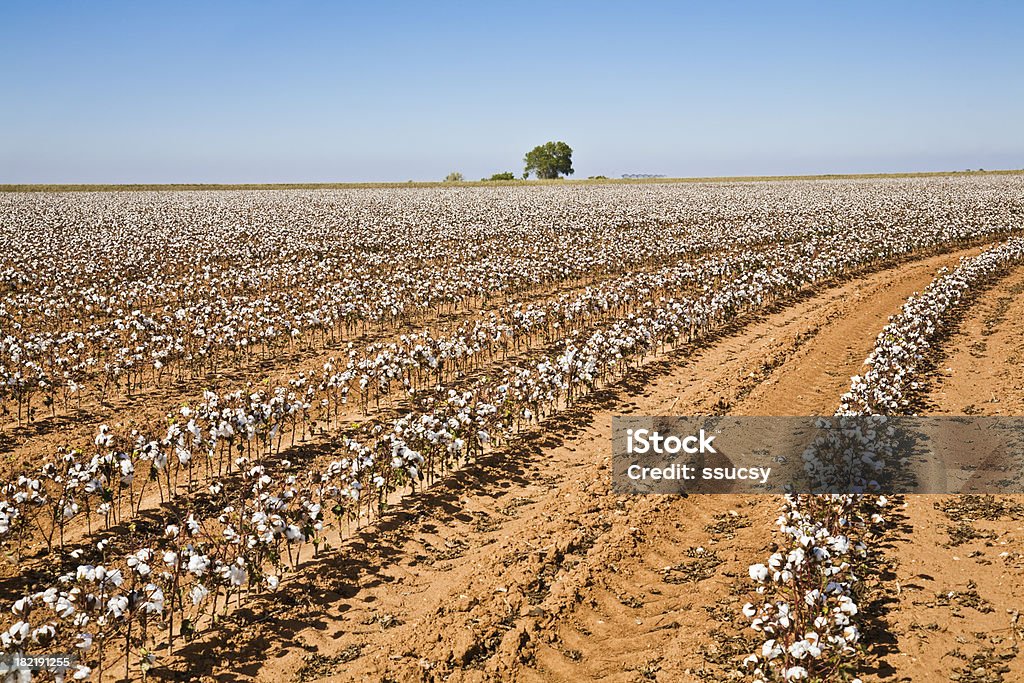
(198, 564)
(84, 641)
(198, 593)
(115, 578)
(749, 610)
(847, 605)
(44, 634)
(758, 572)
(155, 604)
(795, 673)
(21, 605)
(117, 606)
(17, 632)
(799, 649)
(238, 576)
(63, 607)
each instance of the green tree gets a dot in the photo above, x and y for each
(454, 177)
(507, 175)
(549, 160)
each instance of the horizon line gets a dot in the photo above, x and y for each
(150, 187)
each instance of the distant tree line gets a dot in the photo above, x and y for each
(546, 162)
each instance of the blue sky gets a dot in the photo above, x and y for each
(309, 91)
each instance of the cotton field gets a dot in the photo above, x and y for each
(225, 411)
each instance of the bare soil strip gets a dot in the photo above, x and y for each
(958, 590)
(526, 567)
